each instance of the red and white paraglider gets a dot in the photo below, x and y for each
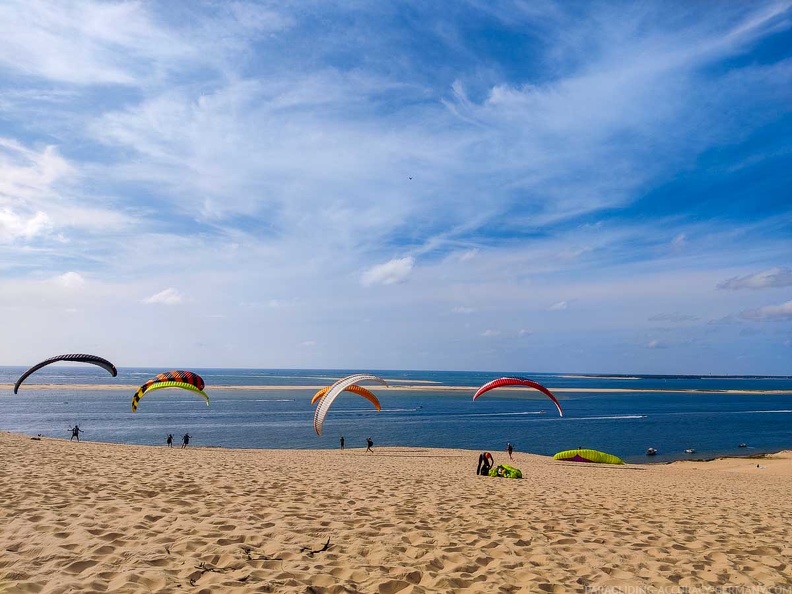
(517, 381)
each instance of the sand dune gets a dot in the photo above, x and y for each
(89, 517)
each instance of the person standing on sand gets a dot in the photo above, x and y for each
(185, 440)
(510, 449)
(76, 432)
(369, 444)
(342, 442)
(169, 441)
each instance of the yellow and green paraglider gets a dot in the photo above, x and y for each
(581, 455)
(186, 380)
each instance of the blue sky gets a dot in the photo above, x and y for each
(522, 186)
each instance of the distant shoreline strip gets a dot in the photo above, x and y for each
(403, 388)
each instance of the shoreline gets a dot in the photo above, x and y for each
(402, 388)
(783, 453)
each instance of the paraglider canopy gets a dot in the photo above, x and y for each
(581, 455)
(359, 390)
(186, 380)
(518, 381)
(335, 390)
(79, 358)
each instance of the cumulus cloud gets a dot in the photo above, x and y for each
(769, 312)
(70, 280)
(394, 271)
(768, 279)
(167, 297)
(560, 306)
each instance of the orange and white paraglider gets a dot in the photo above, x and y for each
(518, 381)
(359, 390)
(333, 391)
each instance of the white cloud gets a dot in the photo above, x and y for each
(560, 306)
(391, 272)
(524, 332)
(490, 333)
(463, 310)
(769, 312)
(768, 279)
(14, 226)
(167, 297)
(679, 241)
(656, 344)
(70, 280)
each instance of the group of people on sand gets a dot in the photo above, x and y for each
(185, 440)
(369, 444)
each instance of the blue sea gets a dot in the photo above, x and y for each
(669, 413)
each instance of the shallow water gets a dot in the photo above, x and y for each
(620, 423)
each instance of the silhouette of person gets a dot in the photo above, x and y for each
(169, 441)
(369, 444)
(509, 449)
(342, 442)
(76, 432)
(185, 440)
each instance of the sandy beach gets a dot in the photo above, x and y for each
(93, 517)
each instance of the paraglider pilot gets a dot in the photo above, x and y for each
(484, 464)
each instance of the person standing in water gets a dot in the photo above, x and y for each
(185, 440)
(76, 432)
(342, 442)
(169, 441)
(510, 449)
(369, 444)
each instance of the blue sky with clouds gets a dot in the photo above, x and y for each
(523, 186)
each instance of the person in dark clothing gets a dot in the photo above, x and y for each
(76, 432)
(185, 440)
(510, 449)
(342, 442)
(369, 445)
(484, 464)
(169, 440)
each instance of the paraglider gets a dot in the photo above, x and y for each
(186, 380)
(580, 455)
(518, 381)
(359, 390)
(103, 363)
(334, 390)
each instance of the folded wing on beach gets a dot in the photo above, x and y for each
(338, 387)
(581, 455)
(517, 381)
(79, 358)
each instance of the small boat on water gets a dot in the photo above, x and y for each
(742, 445)
(690, 451)
(651, 452)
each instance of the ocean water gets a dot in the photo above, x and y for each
(669, 413)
